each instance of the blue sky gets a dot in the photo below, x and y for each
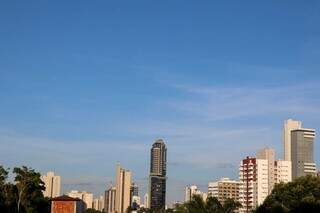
(84, 84)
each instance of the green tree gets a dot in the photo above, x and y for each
(301, 195)
(144, 210)
(3, 178)
(230, 205)
(211, 205)
(29, 191)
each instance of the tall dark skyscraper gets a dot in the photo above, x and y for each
(157, 178)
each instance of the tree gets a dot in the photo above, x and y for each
(30, 186)
(230, 205)
(211, 205)
(90, 210)
(144, 210)
(3, 178)
(301, 195)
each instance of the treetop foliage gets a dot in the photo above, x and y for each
(301, 195)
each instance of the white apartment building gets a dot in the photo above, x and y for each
(52, 183)
(282, 171)
(253, 174)
(85, 196)
(192, 190)
(189, 192)
(258, 177)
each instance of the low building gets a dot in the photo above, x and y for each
(66, 204)
(224, 189)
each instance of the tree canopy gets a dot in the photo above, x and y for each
(25, 194)
(301, 195)
(211, 205)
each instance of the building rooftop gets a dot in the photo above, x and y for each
(65, 198)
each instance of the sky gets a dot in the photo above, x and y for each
(86, 84)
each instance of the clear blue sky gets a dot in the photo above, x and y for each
(84, 84)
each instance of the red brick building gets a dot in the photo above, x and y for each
(66, 204)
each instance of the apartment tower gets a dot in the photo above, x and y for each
(110, 200)
(52, 183)
(123, 184)
(289, 125)
(302, 150)
(157, 178)
(253, 174)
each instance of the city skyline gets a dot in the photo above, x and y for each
(84, 85)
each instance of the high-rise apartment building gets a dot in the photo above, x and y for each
(110, 200)
(134, 190)
(85, 196)
(123, 184)
(257, 179)
(157, 178)
(268, 154)
(134, 196)
(289, 125)
(302, 150)
(282, 171)
(98, 203)
(52, 183)
(225, 189)
(95, 204)
(254, 189)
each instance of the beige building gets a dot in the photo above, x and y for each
(98, 203)
(52, 183)
(110, 200)
(268, 154)
(289, 125)
(224, 189)
(123, 185)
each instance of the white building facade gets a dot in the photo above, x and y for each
(52, 183)
(258, 181)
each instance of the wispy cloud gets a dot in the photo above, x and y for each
(219, 103)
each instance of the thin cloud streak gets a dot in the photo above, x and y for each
(217, 103)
